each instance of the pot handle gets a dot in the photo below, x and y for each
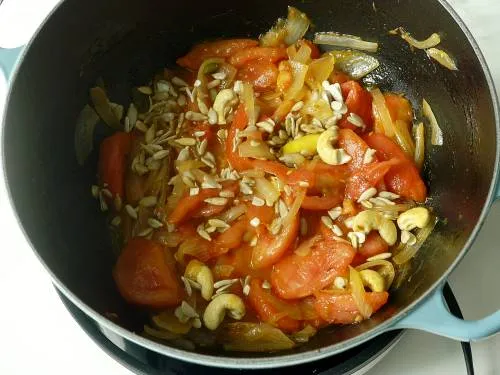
(8, 58)
(433, 316)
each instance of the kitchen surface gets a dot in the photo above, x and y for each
(39, 335)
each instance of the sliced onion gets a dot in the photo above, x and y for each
(354, 63)
(233, 213)
(159, 334)
(409, 251)
(358, 293)
(287, 31)
(296, 25)
(319, 70)
(258, 150)
(381, 112)
(248, 100)
(294, 209)
(305, 334)
(403, 137)
(254, 337)
(345, 41)
(419, 145)
(318, 108)
(266, 190)
(441, 57)
(436, 133)
(230, 72)
(84, 133)
(395, 207)
(168, 321)
(178, 191)
(103, 108)
(302, 55)
(383, 267)
(432, 41)
(299, 72)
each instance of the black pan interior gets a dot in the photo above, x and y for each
(125, 43)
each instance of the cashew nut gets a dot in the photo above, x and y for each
(324, 146)
(200, 273)
(221, 101)
(368, 220)
(217, 308)
(417, 217)
(372, 280)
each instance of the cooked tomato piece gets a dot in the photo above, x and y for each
(399, 107)
(340, 307)
(218, 48)
(112, 158)
(272, 310)
(354, 145)
(144, 277)
(264, 213)
(369, 176)
(403, 179)
(264, 54)
(232, 237)
(261, 74)
(358, 101)
(189, 204)
(373, 245)
(320, 261)
(338, 77)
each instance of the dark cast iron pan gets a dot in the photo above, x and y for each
(126, 42)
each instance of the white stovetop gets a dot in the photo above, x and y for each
(39, 336)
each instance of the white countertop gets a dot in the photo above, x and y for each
(39, 336)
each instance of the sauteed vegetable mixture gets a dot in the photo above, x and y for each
(259, 191)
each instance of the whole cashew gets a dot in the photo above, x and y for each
(200, 273)
(368, 220)
(221, 101)
(326, 151)
(417, 217)
(217, 308)
(372, 280)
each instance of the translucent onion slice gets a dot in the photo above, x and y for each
(296, 25)
(255, 149)
(441, 57)
(319, 70)
(381, 112)
(403, 137)
(299, 71)
(358, 293)
(344, 41)
(159, 334)
(254, 337)
(304, 334)
(84, 133)
(419, 136)
(354, 63)
(248, 100)
(103, 108)
(287, 31)
(169, 322)
(436, 133)
(433, 40)
(233, 213)
(383, 267)
(266, 190)
(409, 251)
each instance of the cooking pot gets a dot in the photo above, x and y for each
(126, 42)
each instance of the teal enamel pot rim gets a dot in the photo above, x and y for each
(50, 84)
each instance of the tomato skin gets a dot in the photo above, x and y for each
(297, 276)
(340, 307)
(399, 107)
(112, 161)
(373, 245)
(264, 54)
(403, 179)
(358, 101)
(268, 307)
(219, 48)
(233, 236)
(338, 77)
(144, 277)
(261, 74)
(270, 248)
(354, 145)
